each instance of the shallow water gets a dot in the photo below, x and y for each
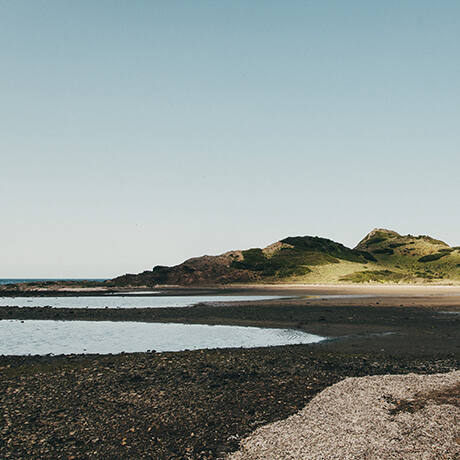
(64, 337)
(128, 301)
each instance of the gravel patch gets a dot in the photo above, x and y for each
(385, 417)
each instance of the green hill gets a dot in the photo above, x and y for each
(413, 258)
(383, 256)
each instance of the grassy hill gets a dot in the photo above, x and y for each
(412, 258)
(383, 256)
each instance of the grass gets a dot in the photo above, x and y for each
(332, 273)
(390, 258)
(298, 258)
(379, 276)
(413, 255)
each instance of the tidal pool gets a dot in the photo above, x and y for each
(40, 337)
(128, 301)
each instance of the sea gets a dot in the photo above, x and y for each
(32, 280)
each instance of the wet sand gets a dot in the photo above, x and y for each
(199, 404)
(235, 289)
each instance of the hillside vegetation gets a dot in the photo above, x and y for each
(383, 256)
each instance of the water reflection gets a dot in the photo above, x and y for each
(128, 301)
(65, 337)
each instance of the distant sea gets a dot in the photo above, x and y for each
(31, 280)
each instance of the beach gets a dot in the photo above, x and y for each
(200, 404)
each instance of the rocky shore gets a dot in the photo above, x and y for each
(188, 405)
(367, 324)
(199, 404)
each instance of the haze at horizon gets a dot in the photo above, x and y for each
(142, 133)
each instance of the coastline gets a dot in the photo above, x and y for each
(199, 404)
(300, 289)
(416, 324)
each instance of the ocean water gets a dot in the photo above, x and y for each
(125, 301)
(65, 337)
(30, 280)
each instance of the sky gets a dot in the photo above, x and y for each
(136, 133)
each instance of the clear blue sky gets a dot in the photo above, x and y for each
(136, 133)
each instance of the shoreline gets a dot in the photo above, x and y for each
(183, 405)
(426, 323)
(20, 290)
(200, 404)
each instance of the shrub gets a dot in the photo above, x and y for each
(325, 246)
(396, 245)
(286, 263)
(367, 255)
(253, 259)
(387, 251)
(375, 240)
(432, 257)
